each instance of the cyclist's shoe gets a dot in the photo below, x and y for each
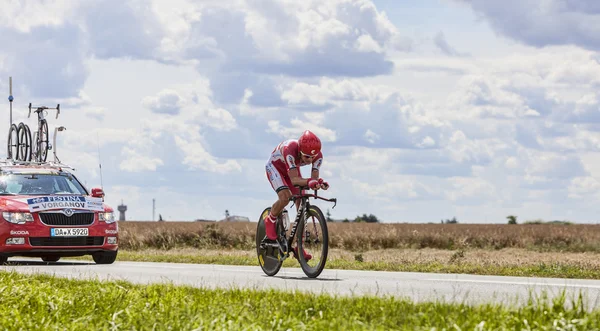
(307, 256)
(271, 227)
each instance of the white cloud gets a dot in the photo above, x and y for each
(95, 112)
(471, 191)
(584, 187)
(166, 102)
(551, 22)
(299, 126)
(371, 136)
(198, 158)
(23, 16)
(306, 38)
(201, 92)
(442, 44)
(366, 43)
(135, 161)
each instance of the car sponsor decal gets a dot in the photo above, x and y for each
(58, 202)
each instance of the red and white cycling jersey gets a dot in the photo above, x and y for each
(284, 157)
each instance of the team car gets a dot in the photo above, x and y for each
(46, 212)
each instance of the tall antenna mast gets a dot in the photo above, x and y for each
(10, 97)
(99, 162)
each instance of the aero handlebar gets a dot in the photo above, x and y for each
(38, 109)
(303, 195)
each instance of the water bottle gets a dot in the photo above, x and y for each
(286, 220)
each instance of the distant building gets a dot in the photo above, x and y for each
(235, 219)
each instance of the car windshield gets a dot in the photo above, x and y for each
(40, 184)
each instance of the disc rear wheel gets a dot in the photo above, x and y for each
(269, 257)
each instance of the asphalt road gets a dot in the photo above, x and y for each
(471, 289)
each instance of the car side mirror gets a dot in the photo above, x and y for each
(98, 193)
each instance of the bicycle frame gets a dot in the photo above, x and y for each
(38, 133)
(304, 206)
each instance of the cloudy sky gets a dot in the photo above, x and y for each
(427, 109)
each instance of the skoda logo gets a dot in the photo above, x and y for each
(68, 212)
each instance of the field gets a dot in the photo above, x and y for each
(361, 237)
(543, 250)
(42, 302)
(45, 302)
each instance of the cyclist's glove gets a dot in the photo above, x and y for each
(312, 184)
(324, 184)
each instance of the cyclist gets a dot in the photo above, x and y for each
(283, 172)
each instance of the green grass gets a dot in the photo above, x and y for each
(559, 270)
(41, 302)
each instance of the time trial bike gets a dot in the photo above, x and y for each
(310, 228)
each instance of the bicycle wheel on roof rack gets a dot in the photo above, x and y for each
(29, 143)
(24, 145)
(44, 142)
(34, 147)
(12, 151)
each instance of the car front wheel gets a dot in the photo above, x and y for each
(107, 257)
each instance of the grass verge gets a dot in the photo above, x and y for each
(43, 302)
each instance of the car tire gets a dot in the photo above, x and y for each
(107, 257)
(3, 259)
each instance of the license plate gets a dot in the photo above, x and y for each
(68, 232)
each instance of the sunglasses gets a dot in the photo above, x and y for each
(308, 155)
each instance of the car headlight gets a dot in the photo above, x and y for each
(106, 217)
(17, 218)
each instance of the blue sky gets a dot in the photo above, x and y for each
(427, 110)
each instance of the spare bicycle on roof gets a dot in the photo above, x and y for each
(22, 145)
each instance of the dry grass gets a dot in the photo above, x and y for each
(504, 257)
(363, 237)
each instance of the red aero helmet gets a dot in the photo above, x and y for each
(309, 143)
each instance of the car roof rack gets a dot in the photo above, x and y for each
(47, 164)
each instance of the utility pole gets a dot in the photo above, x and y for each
(153, 208)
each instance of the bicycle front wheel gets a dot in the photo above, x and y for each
(13, 142)
(313, 239)
(24, 142)
(269, 257)
(44, 142)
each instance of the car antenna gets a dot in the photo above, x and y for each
(99, 162)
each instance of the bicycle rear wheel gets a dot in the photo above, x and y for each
(13, 142)
(269, 258)
(24, 145)
(313, 238)
(29, 144)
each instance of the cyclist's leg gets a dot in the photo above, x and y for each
(283, 190)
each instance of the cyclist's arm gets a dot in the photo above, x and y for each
(296, 178)
(316, 165)
(314, 174)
